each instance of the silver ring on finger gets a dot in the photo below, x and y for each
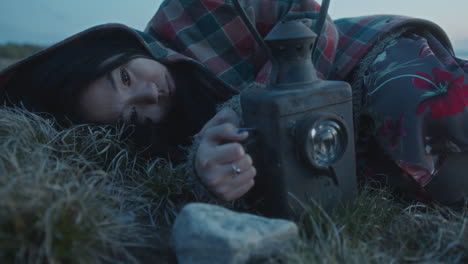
(235, 170)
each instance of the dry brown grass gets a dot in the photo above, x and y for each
(79, 195)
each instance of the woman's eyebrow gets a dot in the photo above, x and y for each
(111, 80)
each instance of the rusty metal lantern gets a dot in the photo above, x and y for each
(304, 142)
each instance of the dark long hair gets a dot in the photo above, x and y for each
(192, 107)
(53, 85)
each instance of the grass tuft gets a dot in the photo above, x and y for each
(63, 196)
(81, 195)
(381, 228)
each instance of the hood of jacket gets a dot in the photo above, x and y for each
(14, 95)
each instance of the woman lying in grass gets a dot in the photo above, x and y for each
(409, 88)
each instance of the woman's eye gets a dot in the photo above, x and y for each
(125, 77)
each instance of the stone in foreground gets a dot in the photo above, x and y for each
(209, 234)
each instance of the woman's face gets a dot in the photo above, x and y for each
(135, 91)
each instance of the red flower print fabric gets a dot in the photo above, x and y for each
(447, 94)
(412, 82)
(420, 174)
(425, 51)
(394, 130)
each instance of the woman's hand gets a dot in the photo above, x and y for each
(221, 162)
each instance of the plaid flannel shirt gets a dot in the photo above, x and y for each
(212, 34)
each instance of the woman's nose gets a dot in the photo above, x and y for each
(148, 93)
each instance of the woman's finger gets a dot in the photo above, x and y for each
(234, 180)
(225, 115)
(241, 164)
(227, 153)
(224, 133)
(216, 179)
(224, 178)
(210, 154)
(239, 192)
(214, 172)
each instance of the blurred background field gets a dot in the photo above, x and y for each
(5, 62)
(15, 51)
(12, 52)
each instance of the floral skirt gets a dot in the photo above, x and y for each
(413, 112)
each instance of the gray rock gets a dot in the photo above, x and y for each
(209, 234)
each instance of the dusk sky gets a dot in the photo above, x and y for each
(48, 21)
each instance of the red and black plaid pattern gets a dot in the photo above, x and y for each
(212, 33)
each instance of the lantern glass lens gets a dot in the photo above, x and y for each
(325, 143)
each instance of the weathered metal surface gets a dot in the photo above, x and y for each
(295, 100)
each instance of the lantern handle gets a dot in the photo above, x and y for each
(321, 22)
(259, 39)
